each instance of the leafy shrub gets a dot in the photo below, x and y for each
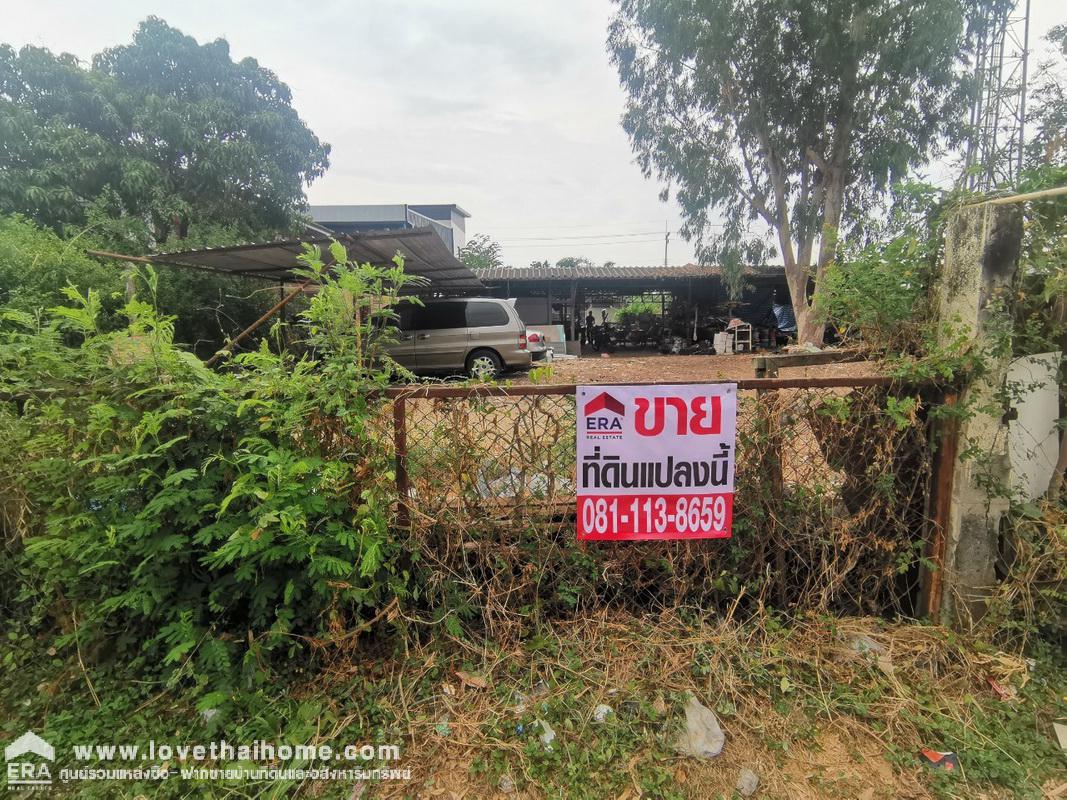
(635, 309)
(35, 264)
(873, 294)
(197, 521)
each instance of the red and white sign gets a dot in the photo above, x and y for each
(656, 462)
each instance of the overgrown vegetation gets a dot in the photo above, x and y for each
(196, 525)
(227, 539)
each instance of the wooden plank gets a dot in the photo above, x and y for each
(768, 366)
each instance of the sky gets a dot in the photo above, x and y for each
(509, 109)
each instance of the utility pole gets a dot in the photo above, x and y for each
(994, 154)
(666, 241)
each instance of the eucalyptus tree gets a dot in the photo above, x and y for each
(777, 123)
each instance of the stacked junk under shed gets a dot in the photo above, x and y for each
(688, 308)
(685, 309)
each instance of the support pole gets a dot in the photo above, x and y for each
(947, 438)
(251, 328)
(973, 295)
(574, 309)
(400, 448)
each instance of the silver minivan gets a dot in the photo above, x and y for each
(479, 336)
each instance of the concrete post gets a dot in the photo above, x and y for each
(972, 294)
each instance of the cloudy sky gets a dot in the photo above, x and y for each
(510, 109)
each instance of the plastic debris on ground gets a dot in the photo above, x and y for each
(442, 728)
(948, 761)
(519, 707)
(506, 784)
(601, 713)
(547, 734)
(865, 645)
(703, 737)
(747, 782)
(1061, 734)
(1006, 693)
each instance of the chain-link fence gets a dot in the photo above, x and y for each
(830, 508)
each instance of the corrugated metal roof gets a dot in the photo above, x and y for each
(425, 255)
(519, 274)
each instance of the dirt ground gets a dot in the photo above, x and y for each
(786, 701)
(653, 367)
(833, 766)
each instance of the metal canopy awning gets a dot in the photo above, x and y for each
(425, 255)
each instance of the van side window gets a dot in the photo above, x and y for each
(435, 316)
(483, 315)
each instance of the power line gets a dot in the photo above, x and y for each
(589, 236)
(581, 225)
(576, 245)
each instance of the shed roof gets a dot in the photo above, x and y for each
(615, 273)
(425, 255)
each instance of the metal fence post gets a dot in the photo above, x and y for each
(400, 447)
(767, 400)
(941, 481)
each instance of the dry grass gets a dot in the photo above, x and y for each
(789, 700)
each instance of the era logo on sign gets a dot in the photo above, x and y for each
(603, 423)
(702, 416)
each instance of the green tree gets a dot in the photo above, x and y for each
(791, 116)
(481, 252)
(1048, 110)
(173, 131)
(573, 262)
(161, 144)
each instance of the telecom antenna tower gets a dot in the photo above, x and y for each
(998, 114)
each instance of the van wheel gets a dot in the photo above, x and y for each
(484, 365)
